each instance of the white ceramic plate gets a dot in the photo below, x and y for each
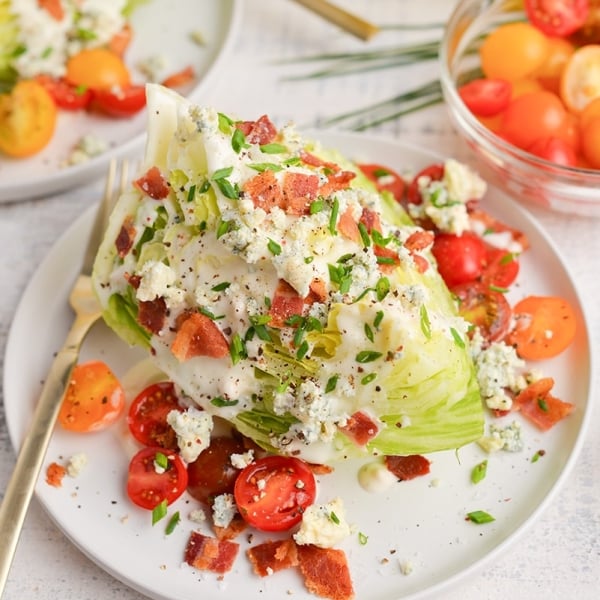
(419, 523)
(161, 28)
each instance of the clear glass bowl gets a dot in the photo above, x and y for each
(522, 175)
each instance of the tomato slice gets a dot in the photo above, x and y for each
(485, 308)
(148, 484)
(212, 473)
(460, 258)
(272, 493)
(434, 172)
(501, 267)
(27, 119)
(120, 102)
(486, 97)
(94, 398)
(65, 95)
(385, 179)
(544, 327)
(557, 17)
(147, 417)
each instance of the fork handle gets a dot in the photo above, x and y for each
(31, 456)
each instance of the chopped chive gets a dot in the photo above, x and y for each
(309, 259)
(238, 141)
(362, 538)
(386, 260)
(457, 338)
(479, 517)
(220, 286)
(204, 187)
(47, 52)
(543, 404)
(316, 207)
(225, 123)
(479, 472)
(273, 148)
(302, 350)
(237, 349)
(382, 288)
(159, 512)
(369, 332)
(497, 288)
(368, 378)
(191, 193)
(274, 247)
(221, 402)
(227, 189)
(537, 455)
(378, 319)
(173, 522)
(334, 518)
(367, 356)
(364, 235)
(335, 209)
(209, 314)
(331, 383)
(225, 227)
(161, 460)
(262, 167)
(507, 258)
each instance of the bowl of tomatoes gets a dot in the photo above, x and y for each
(521, 79)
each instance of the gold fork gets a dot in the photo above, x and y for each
(33, 449)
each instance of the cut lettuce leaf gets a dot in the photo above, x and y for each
(381, 341)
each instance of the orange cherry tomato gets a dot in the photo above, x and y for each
(520, 87)
(591, 111)
(97, 68)
(580, 80)
(513, 51)
(532, 116)
(544, 327)
(560, 51)
(27, 119)
(94, 398)
(590, 142)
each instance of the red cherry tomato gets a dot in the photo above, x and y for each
(532, 116)
(460, 258)
(64, 94)
(500, 269)
(385, 179)
(212, 473)
(484, 308)
(147, 417)
(120, 101)
(148, 485)
(554, 150)
(486, 97)
(273, 492)
(557, 17)
(434, 172)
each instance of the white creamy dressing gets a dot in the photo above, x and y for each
(47, 43)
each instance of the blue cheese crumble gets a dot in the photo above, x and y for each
(323, 525)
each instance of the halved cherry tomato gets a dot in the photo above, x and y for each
(538, 405)
(94, 398)
(589, 32)
(98, 69)
(485, 308)
(460, 258)
(433, 172)
(212, 473)
(557, 17)
(27, 119)
(554, 150)
(544, 327)
(65, 95)
(500, 267)
(147, 417)
(486, 97)
(120, 101)
(580, 79)
(148, 483)
(272, 493)
(385, 179)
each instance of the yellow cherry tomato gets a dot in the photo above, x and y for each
(580, 80)
(97, 68)
(513, 51)
(27, 119)
(560, 51)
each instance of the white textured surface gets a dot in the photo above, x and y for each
(559, 555)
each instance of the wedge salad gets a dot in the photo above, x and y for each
(299, 309)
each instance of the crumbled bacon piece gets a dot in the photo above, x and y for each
(285, 303)
(261, 131)
(361, 428)
(153, 184)
(299, 190)
(348, 226)
(407, 467)
(124, 240)
(336, 182)
(264, 190)
(53, 8)
(152, 314)
(269, 557)
(370, 219)
(314, 161)
(209, 554)
(318, 291)
(232, 530)
(55, 474)
(325, 572)
(390, 258)
(199, 335)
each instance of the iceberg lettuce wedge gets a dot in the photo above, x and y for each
(279, 290)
